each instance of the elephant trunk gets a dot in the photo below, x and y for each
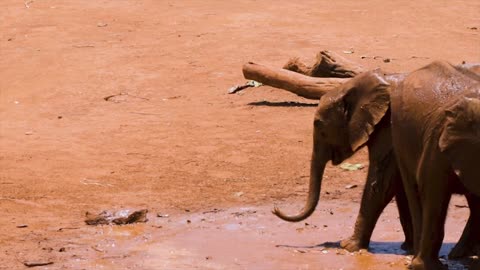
(317, 167)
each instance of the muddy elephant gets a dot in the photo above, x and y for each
(342, 138)
(354, 115)
(436, 139)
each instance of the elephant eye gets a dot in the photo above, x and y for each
(346, 108)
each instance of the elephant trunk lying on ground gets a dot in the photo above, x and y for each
(352, 114)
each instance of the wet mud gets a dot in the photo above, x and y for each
(252, 238)
(110, 105)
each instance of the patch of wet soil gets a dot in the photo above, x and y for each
(252, 238)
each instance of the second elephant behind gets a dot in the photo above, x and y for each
(354, 115)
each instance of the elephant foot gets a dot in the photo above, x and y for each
(353, 244)
(408, 247)
(427, 264)
(464, 249)
(475, 265)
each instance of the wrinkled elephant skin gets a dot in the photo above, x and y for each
(436, 138)
(356, 115)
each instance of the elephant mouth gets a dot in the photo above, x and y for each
(340, 155)
(336, 158)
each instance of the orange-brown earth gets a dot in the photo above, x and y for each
(172, 140)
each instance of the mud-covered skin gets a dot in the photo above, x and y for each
(383, 179)
(342, 124)
(435, 137)
(383, 183)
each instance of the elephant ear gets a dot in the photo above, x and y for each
(460, 137)
(450, 134)
(367, 100)
(461, 126)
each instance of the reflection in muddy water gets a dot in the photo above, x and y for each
(252, 238)
(232, 227)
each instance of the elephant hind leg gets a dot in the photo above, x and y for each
(435, 204)
(405, 218)
(435, 193)
(413, 202)
(475, 265)
(469, 243)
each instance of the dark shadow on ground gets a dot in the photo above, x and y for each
(283, 104)
(375, 247)
(320, 246)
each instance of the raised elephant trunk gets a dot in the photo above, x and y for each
(320, 158)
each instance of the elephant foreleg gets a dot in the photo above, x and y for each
(381, 186)
(469, 243)
(372, 205)
(405, 217)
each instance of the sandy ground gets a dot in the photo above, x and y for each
(173, 141)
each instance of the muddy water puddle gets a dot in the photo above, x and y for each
(253, 238)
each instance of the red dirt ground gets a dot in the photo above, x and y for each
(175, 140)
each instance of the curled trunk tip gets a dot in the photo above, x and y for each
(319, 159)
(302, 216)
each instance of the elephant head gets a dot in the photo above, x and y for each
(344, 120)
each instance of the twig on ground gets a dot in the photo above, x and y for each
(86, 181)
(68, 228)
(84, 46)
(97, 249)
(35, 264)
(240, 87)
(107, 98)
(27, 3)
(143, 113)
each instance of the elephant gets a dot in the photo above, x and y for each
(383, 181)
(436, 137)
(355, 115)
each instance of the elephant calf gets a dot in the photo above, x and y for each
(354, 114)
(436, 139)
(357, 114)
